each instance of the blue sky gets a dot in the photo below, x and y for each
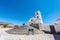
(19, 11)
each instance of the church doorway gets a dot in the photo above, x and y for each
(52, 28)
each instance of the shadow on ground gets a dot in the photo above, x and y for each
(56, 36)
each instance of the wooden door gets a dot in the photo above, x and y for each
(52, 28)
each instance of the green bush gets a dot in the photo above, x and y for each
(5, 25)
(16, 26)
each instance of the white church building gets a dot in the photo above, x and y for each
(54, 28)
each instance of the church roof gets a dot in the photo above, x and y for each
(57, 21)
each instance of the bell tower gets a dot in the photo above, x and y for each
(39, 19)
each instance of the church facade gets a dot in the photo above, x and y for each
(37, 20)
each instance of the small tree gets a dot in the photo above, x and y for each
(5, 25)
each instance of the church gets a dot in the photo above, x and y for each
(37, 22)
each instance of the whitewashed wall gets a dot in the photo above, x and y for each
(57, 28)
(46, 28)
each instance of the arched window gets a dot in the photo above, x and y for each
(37, 13)
(37, 16)
(30, 31)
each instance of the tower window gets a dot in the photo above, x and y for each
(37, 13)
(37, 16)
(31, 19)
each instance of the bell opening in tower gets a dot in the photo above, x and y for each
(37, 13)
(37, 16)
